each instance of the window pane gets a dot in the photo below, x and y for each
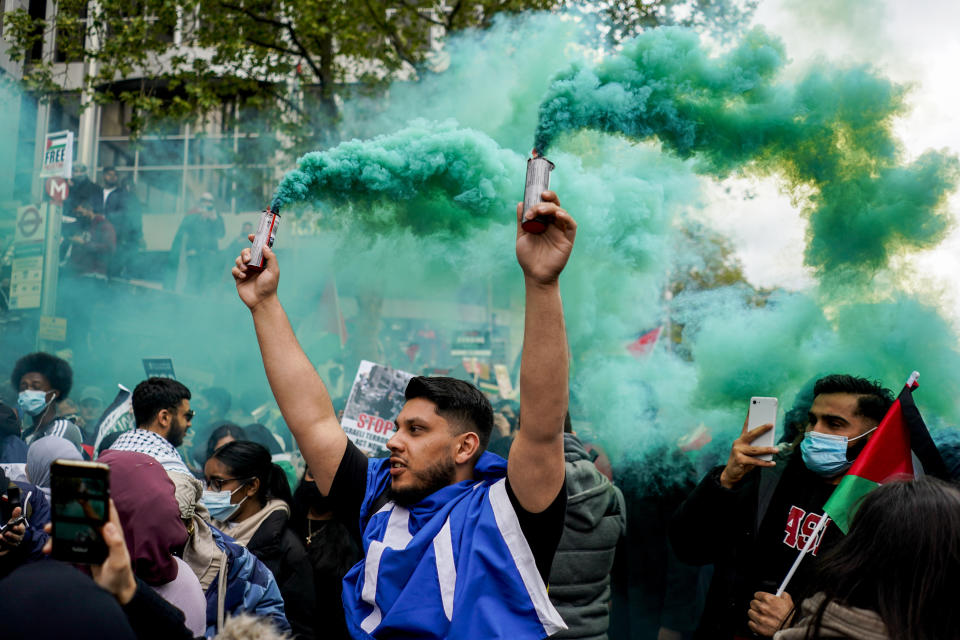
(115, 153)
(113, 119)
(211, 151)
(159, 191)
(162, 152)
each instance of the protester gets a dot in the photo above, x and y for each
(894, 574)
(752, 524)
(438, 478)
(93, 243)
(195, 247)
(51, 599)
(153, 532)
(595, 522)
(12, 447)
(92, 403)
(21, 543)
(161, 409)
(222, 434)
(83, 193)
(41, 455)
(249, 499)
(121, 209)
(42, 380)
(233, 579)
(332, 551)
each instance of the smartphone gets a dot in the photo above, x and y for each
(80, 495)
(763, 411)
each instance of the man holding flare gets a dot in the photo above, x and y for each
(457, 542)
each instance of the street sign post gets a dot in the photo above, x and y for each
(57, 163)
(57, 155)
(52, 329)
(57, 189)
(31, 225)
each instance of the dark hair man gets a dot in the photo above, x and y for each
(751, 524)
(122, 210)
(161, 408)
(458, 541)
(43, 380)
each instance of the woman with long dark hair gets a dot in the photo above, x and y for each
(894, 574)
(249, 499)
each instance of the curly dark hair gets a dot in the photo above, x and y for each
(54, 369)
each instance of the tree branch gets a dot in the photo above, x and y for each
(302, 51)
(391, 35)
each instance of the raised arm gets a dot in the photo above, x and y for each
(536, 466)
(298, 389)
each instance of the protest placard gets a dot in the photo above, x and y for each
(374, 403)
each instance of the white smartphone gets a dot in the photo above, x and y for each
(763, 411)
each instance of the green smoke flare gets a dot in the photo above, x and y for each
(828, 135)
(426, 177)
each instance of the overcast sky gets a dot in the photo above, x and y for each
(913, 42)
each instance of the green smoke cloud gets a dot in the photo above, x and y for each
(424, 210)
(427, 177)
(828, 135)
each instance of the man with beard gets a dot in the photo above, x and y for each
(457, 541)
(161, 408)
(751, 517)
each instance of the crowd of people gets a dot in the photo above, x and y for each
(102, 235)
(231, 531)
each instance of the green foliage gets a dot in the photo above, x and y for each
(293, 62)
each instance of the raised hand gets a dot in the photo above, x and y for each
(254, 287)
(743, 458)
(543, 256)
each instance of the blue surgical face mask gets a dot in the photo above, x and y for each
(31, 402)
(826, 454)
(218, 503)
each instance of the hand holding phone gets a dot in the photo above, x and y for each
(745, 454)
(115, 574)
(16, 522)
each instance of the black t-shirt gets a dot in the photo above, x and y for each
(542, 530)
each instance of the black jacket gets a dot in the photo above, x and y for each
(281, 550)
(720, 526)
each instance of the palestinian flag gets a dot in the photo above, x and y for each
(900, 447)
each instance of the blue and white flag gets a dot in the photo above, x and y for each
(455, 565)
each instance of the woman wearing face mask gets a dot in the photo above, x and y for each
(249, 499)
(42, 381)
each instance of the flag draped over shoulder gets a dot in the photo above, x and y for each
(901, 447)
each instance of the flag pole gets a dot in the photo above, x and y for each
(824, 520)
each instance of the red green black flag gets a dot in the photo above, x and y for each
(900, 448)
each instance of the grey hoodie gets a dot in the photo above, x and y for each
(595, 521)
